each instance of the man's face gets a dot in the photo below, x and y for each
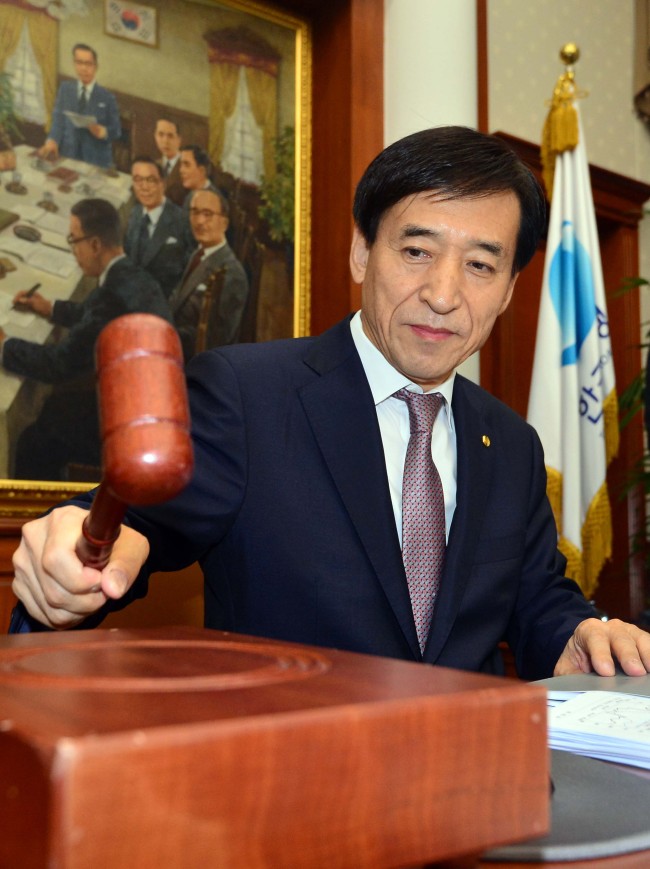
(435, 280)
(85, 248)
(167, 139)
(148, 186)
(192, 176)
(208, 223)
(84, 65)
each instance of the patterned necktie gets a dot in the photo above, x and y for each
(423, 511)
(83, 101)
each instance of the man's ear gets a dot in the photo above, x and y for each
(359, 252)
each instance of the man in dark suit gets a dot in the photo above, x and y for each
(168, 142)
(158, 235)
(92, 144)
(67, 429)
(209, 220)
(295, 508)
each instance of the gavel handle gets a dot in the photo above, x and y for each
(100, 529)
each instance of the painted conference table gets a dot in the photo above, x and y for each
(39, 195)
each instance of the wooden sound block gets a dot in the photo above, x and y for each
(189, 748)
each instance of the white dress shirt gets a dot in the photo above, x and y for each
(154, 216)
(393, 417)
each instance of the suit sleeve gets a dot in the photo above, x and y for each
(113, 125)
(54, 363)
(227, 315)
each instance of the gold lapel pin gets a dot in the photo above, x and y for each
(486, 441)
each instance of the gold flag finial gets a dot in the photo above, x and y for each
(570, 53)
(560, 131)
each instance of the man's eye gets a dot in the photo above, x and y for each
(415, 252)
(481, 267)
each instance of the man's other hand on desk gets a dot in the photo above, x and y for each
(595, 645)
(34, 302)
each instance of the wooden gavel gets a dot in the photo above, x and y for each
(144, 422)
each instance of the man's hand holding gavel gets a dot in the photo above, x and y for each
(53, 584)
(71, 561)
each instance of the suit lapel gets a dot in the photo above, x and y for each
(343, 418)
(158, 238)
(475, 474)
(200, 274)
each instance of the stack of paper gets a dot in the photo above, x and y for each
(603, 724)
(57, 262)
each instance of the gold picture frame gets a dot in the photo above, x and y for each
(24, 499)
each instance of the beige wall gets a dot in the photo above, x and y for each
(177, 72)
(524, 40)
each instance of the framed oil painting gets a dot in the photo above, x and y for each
(232, 79)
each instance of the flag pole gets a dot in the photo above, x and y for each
(572, 403)
(561, 127)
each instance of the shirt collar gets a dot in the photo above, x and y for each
(154, 214)
(208, 251)
(383, 379)
(89, 88)
(115, 259)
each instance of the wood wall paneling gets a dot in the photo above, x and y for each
(348, 41)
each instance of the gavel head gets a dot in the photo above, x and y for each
(144, 415)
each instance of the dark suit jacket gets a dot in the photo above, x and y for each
(226, 314)
(289, 513)
(165, 254)
(127, 289)
(80, 144)
(174, 189)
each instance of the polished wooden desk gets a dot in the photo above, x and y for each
(20, 398)
(183, 748)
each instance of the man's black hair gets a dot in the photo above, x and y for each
(83, 47)
(457, 163)
(149, 161)
(200, 156)
(169, 121)
(98, 218)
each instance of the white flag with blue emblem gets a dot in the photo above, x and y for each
(573, 402)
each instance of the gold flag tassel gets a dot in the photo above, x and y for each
(560, 131)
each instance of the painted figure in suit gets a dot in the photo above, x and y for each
(92, 144)
(194, 168)
(168, 142)
(295, 507)
(67, 428)
(209, 220)
(158, 235)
